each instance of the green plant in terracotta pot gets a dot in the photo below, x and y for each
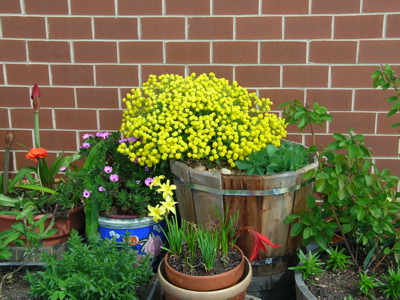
(38, 189)
(116, 194)
(211, 132)
(202, 258)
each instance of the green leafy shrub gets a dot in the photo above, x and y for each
(310, 265)
(337, 259)
(391, 284)
(100, 269)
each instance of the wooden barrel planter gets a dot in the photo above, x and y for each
(263, 203)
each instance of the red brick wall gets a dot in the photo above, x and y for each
(87, 54)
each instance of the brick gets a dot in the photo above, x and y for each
(379, 51)
(386, 146)
(183, 7)
(139, 7)
(24, 27)
(163, 28)
(2, 81)
(44, 7)
(332, 99)
(116, 28)
(235, 7)
(188, 52)
(219, 71)
(392, 26)
(235, 52)
(27, 74)
(158, 70)
(283, 52)
(4, 123)
(110, 119)
(258, 76)
(352, 76)
(308, 27)
(258, 28)
(321, 140)
(15, 96)
(10, 6)
(97, 98)
(210, 28)
(49, 51)
(23, 118)
(384, 124)
(12, 50)
(372, 100)
(390, 164)
(335, 52)
(358, 27)
(362, 123)
(373, 6)
(88, 7)
(305, 76)
(117, 75)
(285, 7)
(335, 7)
(70, 28)
(71, 75)
(99, 52)
(22, 137)
(62, 140)
(279, 96)
(141, 52)
(57, 97)
(75, 119)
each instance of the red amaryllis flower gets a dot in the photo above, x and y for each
(36, 153)
(259, 241)
(35, 91)
(35, 96)
(9, 139)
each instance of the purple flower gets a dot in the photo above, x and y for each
(86, 194)
(137, 181)
(86, 136)
(132, 139)
(63, 169)
(136, 160)
(108, 169)
(102, 189)
(122, 141)
(148, 181)
(114, 177)
(85, 145)
(103, 135)
(146, 169)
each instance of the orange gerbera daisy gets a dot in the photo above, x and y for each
(36, 153)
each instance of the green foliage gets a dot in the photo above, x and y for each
(101, 269)
(391, 284)
(305, 116)
(271, 159)
(337, 259)
(358, 200)
(310, 265)
(208, 242)
(368, 284)
(386, 78)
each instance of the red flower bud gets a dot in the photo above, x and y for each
(35, 96)
(9, 139)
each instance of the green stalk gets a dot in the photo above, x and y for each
(36, 129)
(92, 217)
(6, 171)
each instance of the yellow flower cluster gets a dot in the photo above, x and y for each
(203, 117)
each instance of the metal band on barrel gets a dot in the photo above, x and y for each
(272, 192)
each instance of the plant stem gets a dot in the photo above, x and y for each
(6, 171)
(36, 129)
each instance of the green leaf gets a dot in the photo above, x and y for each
(290, 218)
(392, 98)
(296, 229)
(320, 185)
(310, 201)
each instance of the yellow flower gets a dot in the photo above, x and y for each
(169, 204)
(156, 181)
(156, 212)
(167, 189)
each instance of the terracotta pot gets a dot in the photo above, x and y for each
(73, 219)
(235, 292)
(205, 283)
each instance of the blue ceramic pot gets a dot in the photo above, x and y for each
(145, 235)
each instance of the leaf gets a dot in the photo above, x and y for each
(296, 229)
(391, 99)
(310, 201)
(320, 185)
(290, 218)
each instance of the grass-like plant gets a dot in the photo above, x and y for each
(310, 265)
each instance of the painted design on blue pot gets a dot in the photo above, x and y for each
(152, 245)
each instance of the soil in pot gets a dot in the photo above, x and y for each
(16, 287)
(336, 285)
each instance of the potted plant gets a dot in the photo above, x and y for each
(204, 125)
(203, 260)
(116, 194)
(38, 190)
(358, 203)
